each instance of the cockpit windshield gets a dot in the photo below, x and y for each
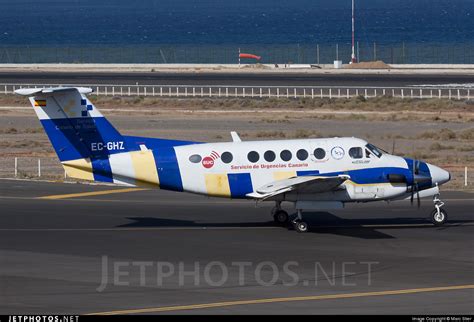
(374, 150)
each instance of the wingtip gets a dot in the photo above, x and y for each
(26, 91)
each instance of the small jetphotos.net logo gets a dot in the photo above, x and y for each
(43, 318)
(208, 162)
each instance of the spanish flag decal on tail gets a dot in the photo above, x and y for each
(40, 103)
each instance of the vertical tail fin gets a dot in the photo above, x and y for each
(81, 136)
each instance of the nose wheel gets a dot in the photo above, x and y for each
(438, 216)
(299, 224)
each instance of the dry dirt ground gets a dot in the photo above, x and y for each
(437, 131)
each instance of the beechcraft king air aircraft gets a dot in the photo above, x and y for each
(313, 174)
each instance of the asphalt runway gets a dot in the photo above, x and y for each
(95, 249)
(236, 79)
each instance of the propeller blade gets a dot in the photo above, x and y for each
(414, 187)
(418, 196)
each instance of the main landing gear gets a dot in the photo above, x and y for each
(438, 216)
(280, 216)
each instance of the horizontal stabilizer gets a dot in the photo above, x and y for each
(51, 90)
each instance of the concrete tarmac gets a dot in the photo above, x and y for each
(229, 78)
(86, 250)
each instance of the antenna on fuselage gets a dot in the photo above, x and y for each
(235, 137)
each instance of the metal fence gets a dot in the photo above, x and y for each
(31, 167)
(403, 53)
(295, 92)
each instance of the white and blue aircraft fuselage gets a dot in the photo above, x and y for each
(313, 174)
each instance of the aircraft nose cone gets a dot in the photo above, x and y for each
(438, 175)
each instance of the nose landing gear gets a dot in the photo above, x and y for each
(299, 224)
(438, 216)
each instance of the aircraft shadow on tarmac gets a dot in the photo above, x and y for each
(320, 222)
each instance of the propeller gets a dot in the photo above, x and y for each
(415, 189)
(416, 179)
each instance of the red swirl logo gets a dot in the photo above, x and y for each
(208, 162)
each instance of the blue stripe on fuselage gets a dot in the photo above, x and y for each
(370, 175)
(168, 168)
(307, 173)
(240, 184)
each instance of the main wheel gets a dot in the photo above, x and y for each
(301, 226)
(281, 217)
(439, 219)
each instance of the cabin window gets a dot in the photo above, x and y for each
(356, 153)
(269, 156)
(195, 158)
(319, 153)
(253, 156)
(302, 154)
(227, 157)
(285, 155)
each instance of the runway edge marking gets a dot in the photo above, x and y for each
(285, 299)
(92, 193)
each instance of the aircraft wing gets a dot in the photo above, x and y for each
(306, 184)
